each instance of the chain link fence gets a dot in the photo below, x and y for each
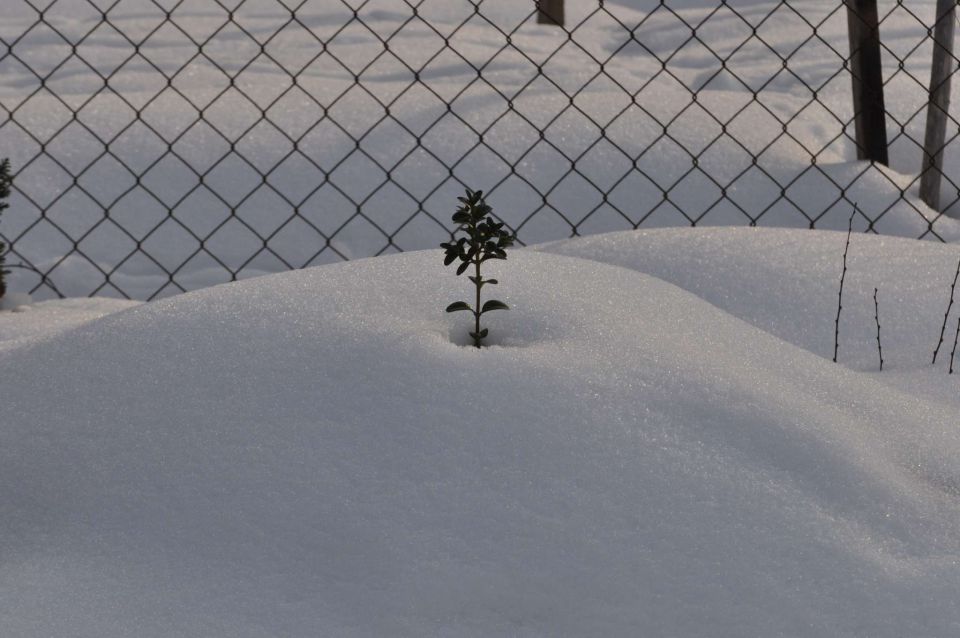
(164, 145)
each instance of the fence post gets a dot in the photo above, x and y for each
(865, 70)
(550, 12)
(938, 106)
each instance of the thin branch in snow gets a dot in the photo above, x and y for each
(957, 336)
(843, 275)
(876, 315)
(953, 287)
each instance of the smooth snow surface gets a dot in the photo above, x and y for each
(14, 301)
(313, 454)
(27, 323)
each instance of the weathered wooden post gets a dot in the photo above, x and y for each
(865, 70)
(938, 105)
(550, 12)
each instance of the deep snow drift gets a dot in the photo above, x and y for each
(311, 454)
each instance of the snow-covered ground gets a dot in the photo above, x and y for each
(364, 181)
(658, 445)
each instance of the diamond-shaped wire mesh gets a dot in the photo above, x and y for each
(163, 145)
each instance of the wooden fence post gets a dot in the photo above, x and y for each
(865, 70)
(550, 12)
(938, 106)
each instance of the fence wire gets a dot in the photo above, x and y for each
(163, 145)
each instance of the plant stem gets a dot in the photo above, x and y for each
(955, 338)
(836, 331)
(953, 287)
(876, 315)
(476, 311)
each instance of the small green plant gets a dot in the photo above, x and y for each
(5, 181)
(485, 239)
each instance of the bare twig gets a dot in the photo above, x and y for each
(953, 287)
(957, 336)
(876, 315)
(843, 275)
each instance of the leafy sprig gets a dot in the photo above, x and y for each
(484, 239)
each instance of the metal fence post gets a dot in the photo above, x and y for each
(867, 75)
(550, 12)
(938, 106)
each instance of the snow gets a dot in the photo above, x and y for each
(655, 446)
(656, 443)
(15, 301)
(30, 322)
(785, 282)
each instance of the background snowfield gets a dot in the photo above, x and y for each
(161, 175)
(640, 451)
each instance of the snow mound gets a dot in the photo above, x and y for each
(786, 282)
(29, 322)
(314, 453)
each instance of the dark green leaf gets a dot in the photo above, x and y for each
(483, 333)
(449, 259)
(462, 267)
(494, 304)
(458, 305)
(491, 281)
